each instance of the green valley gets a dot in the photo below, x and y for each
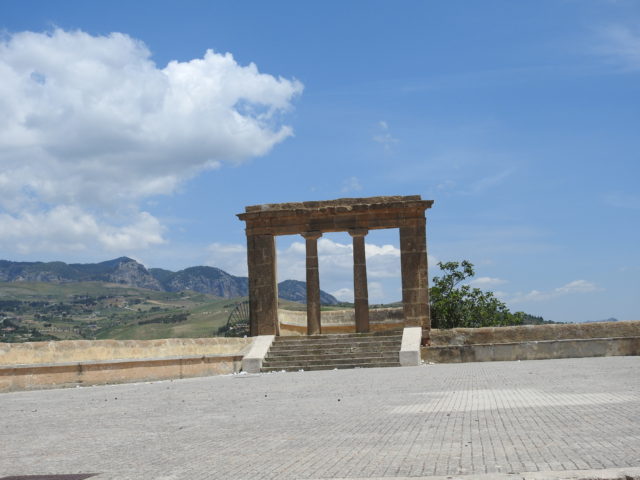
(96, 310)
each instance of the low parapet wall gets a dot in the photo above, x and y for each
(96, 350)
(37, 365)
(294, 322)
(533, 342)
(529, 333)
(539, 350)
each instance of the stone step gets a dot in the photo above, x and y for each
(325, 352)
(342, 346)
(334, 338)
(332, 353)
(297, 368)
(331, 358)
(338, 336)
(312, 363)
(313, 343)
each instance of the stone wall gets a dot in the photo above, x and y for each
(294, 322)
(38, 365)
(535, 350)
(533, 342)
(527, 333)
(66, 351)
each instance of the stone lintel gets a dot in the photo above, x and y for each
(334, 215)
(340, 203)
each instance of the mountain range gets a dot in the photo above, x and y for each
(127, 271)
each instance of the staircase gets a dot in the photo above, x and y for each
(327, 352)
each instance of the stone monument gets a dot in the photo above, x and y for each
(353, 215)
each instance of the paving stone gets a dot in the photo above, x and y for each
(530, 419)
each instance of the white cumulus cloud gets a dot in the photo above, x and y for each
(230, 257)
(343, 294)
(623, 200)
(351, 184)
(577, 286)
(90, 126)
(486, 282)
(621, 44)
(574, 287)
(69, 228)
(384, 136)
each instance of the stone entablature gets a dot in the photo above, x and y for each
(353, 215)
(339, 215)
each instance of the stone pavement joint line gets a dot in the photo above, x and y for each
(607, 474)
(544, 419)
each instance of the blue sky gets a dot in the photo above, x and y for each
(520, 119)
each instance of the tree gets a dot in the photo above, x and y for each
(454, 304)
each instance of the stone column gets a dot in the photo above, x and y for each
(313, 284)
(263, 286)
(360, 292)
(415, 285)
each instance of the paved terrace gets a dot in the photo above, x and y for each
(480, 420)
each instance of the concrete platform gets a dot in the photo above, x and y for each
(570, 418)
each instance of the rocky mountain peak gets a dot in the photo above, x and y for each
(130, 272)
(127, 271)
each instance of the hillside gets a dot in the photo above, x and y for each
(209, 280)
(86, 310)
(126, 271)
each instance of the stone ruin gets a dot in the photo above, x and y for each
(353, 215)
